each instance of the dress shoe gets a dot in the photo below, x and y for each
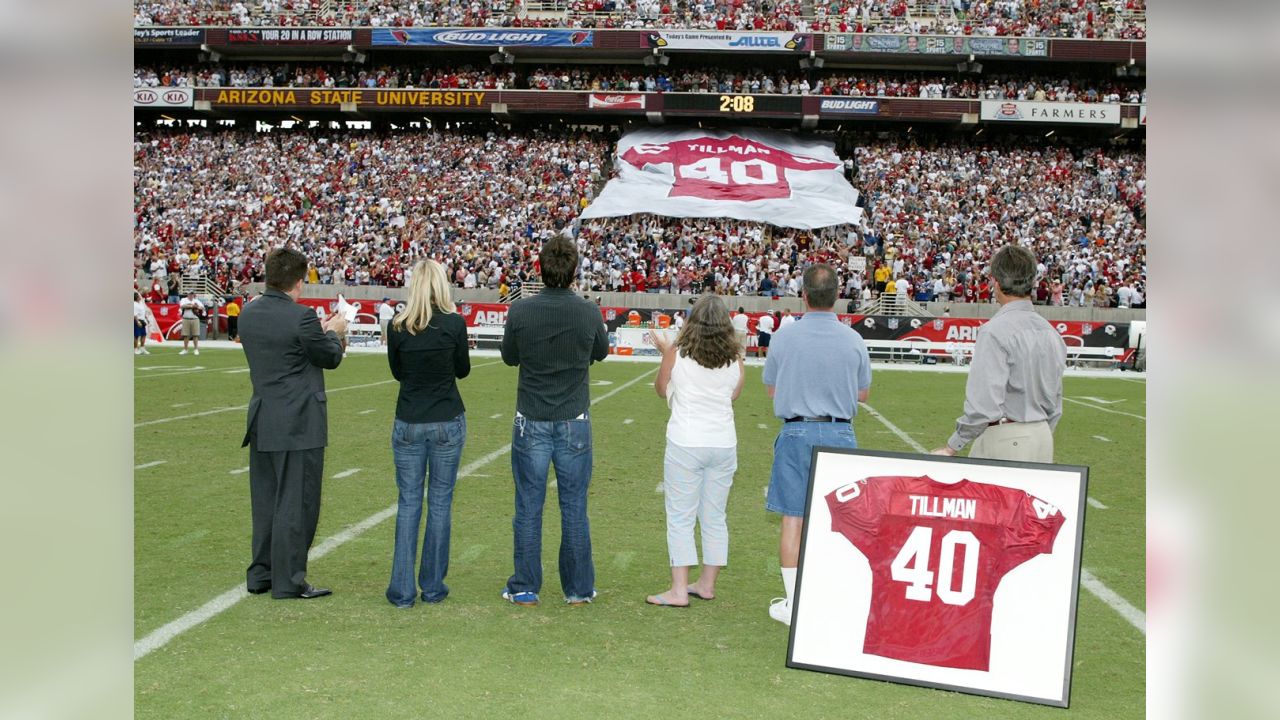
(258, 591)
(311, 591)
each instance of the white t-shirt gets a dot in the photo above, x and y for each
(765, 323)
(701, 402)
(386, 311)
(786, 320)
(190, 307)
(740, 321)
(140, 311)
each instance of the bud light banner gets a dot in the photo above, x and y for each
(482, 37)
(732, 41)
(746, 174)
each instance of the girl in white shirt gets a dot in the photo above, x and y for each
(700, 377)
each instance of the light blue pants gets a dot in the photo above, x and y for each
(696, 486)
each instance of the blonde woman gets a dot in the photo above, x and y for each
(427, 350)
(700, 377)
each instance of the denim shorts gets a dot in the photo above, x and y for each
(792, 458)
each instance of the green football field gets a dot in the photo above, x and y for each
(353, 655)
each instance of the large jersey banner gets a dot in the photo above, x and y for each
(746, 174)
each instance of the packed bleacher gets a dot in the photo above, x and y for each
(1090, 19)
(608, 78)
(364, 205)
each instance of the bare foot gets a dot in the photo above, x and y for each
(694, 591)
(670, 598)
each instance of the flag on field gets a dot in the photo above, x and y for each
(153, 328)
(746, 174)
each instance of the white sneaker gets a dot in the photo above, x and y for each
(780, 610)
(197, 351)
(146, 351)
(184, 352)
(137, 351)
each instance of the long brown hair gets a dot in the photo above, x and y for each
(708, 335)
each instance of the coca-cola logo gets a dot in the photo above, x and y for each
(618, 101)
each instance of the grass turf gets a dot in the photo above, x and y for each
(355, 656)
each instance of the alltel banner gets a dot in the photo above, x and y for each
(1051, 112)
(483, 37)
(162, 97)
(746, 174)
(712, 40)
(616, 101)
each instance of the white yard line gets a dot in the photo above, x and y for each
(628, 421)
(366, 412)
(245, 407)
(345, 473)
(239, 471)
(153, 463)
(1095, 503)
(1136, 617)
(1102, 438)
(161, 636)
(1105, 410)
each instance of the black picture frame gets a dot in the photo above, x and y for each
(801, 640)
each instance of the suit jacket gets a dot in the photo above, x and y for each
(287, 350)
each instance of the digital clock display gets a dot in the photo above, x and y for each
(716, 104)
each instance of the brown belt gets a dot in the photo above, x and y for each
(1001, 421)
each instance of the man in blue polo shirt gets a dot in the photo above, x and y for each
(817, 372)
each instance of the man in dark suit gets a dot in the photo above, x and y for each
(288, 426)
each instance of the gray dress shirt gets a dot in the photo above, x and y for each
(1016, 373)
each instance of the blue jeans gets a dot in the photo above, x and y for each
(417, 447)
(535, 444)
(792, 458)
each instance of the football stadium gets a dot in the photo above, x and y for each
(499, 234)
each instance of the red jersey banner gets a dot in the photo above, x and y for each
(746, 174)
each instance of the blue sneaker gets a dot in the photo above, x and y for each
(526, 598)
(576, 601)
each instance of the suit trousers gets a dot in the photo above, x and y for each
(284, 491)
(1025, 442)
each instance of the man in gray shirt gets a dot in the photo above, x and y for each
(1013, 398)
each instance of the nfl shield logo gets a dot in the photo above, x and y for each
(611, 314)
(1086, 329)
(937, 324)
(893, 323)
(466, 310)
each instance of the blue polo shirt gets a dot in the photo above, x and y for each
(817, 365)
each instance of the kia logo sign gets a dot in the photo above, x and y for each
(162, 97)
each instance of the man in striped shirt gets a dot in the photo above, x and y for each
(553, 337)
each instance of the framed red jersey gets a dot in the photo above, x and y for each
(953, 573)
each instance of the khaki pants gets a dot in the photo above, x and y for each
(1025, 442)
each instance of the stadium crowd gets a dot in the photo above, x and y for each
(1024, 18)
(866, 84)
(364, 205)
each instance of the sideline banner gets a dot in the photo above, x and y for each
(746, 174)
(732, 41)
(616, 101)
(1051, 112)
(482, 37)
